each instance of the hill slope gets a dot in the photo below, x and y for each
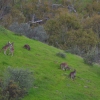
(51, 83)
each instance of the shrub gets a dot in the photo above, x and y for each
(20, 29)
(2, 29)
(62, 55)
(89, 59)
(23, 77)
(75, 50)
(37, 33)
(40, 34)
(16, 83)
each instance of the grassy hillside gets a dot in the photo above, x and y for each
(50, 82)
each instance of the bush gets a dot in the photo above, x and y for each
(89, 59)
(23, 77)
(40, 34)
(37, 33)
(62, 55)
(16, 83)
(20, 29)
(2, 29)
(75, 50)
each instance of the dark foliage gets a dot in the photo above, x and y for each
(16, 83)
(60, 54)
(89, 59)
(37, 33)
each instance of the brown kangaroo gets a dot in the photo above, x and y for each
(64, 66)
(72, 74)
(26, 46)
(5, 48)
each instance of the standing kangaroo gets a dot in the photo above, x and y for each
(64, 66)
(72, 74)
(5, 48)
(11, 48)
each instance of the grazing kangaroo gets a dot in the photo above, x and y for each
(5, 48)
(72, 74)
(64, 66)
(26, 46)
(11, 48)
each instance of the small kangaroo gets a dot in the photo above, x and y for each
(64, 66)
(72, 74)
(26, 46)
(11, 48)
(5, 48)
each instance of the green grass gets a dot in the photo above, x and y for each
(50, 82)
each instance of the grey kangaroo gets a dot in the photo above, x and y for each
(72, 74)
(64, 66)
(6, 47)
(11, 48)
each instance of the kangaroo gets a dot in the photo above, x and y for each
(72, 74)
(26, 46)
(5, 48)
(64, 66)
(11, 48)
